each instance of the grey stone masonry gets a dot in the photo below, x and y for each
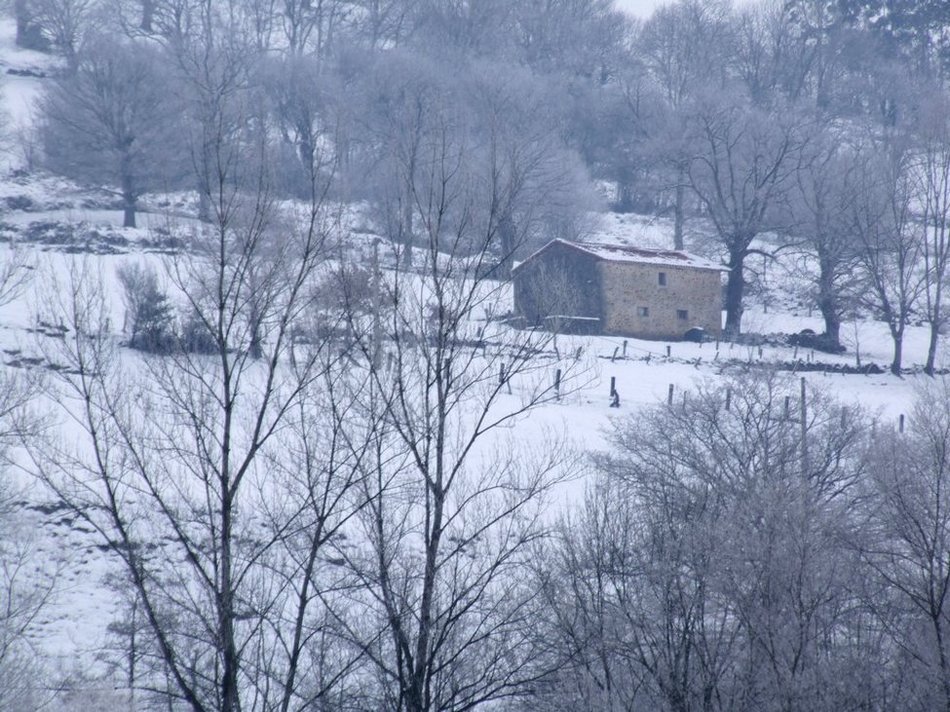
(639, 302)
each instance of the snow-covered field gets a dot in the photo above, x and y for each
(75, 626)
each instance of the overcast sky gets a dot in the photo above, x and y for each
(643, 8)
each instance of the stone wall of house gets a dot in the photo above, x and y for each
(690, 297)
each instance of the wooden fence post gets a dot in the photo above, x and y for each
(804, 414)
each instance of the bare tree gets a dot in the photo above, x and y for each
(525, 177)
(820, 207)
(27, 582)
(592, 600)
(707, 569)
(401, 111)
(212, 47)
(66, 24)
(683, 48)
(385, 22)
(219, 478)
(113, 120)
(908, 519)
(887, 235)
(27, 576)
(745, 160)
(448, 28)
(308, 106)
(454, 508)
(786, 49)
(537, 186)
(576, 39)
(933, 174)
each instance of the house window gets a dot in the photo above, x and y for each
(662, 279)
(682, 314)
(643, 311)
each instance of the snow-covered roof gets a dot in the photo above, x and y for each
(639, 255)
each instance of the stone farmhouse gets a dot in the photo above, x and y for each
(593, 288)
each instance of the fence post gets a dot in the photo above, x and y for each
(377, 323)
(557, 384)
(901, 426)
(728, 398)
(625, 348)
(667, 350)
(669, 397)
(804, 414)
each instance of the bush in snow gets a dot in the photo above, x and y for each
(149, 316)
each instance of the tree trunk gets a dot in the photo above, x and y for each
(148, 11)
(506, 234)
(898, 352)
(678, 208)
(128, 203)
(828, 304)
(936, 319)
(204, 186)
(230, 699)
(22, 22)
(256, 348)
(28, 33)
(624, 197)
(72, 60)
(832, 327)
(306, 151)
(932, 347)
(935, 617)
(407, 220)
(735, 288)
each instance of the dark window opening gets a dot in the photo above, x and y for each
(662, 279)
(682, 314)
(643, 311)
